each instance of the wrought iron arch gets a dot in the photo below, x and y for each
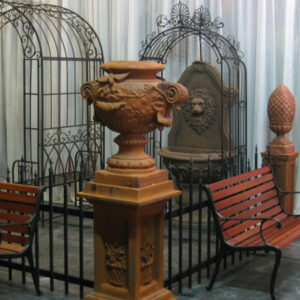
(61, 52)
(181, 25)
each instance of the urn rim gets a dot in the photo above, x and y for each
(124, 66)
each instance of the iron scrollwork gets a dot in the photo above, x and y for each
(182, 24)
(180, 16)
(25, 29)
(20, 11)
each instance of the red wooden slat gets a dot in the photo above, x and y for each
(289, 225)
(291, 236)
(235, 179)
(14, 217)
(10, 248)
(240, 227)
(242, 187)
(19, 187)
(247, 234)
(18, 239)
(12, 206)
(18, 197)
(245, 195)
(247, 204)
(16, 228)
(251, 212)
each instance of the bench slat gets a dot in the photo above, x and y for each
(18, 197)
(291, 236)
(11, 206)
(245, 195)
(271, 233)
(252, 212)
(247, 234)
(19, 187)
(10, 248)
(288, 225)
(12, 238)
(232, 210)
(16, 228)
(238, 229)
(230, 191)
(14, 217)
(235, 179)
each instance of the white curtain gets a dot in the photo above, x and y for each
(268, 32)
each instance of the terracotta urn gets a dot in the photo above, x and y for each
(281, 112)
(132, 100)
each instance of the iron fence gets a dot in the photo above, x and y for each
(191, 244)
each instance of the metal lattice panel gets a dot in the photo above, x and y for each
(61, 52)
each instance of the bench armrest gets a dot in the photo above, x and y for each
(279, 224)
(263, 220)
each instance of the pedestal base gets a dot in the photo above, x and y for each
(129, 234)
(286, 173)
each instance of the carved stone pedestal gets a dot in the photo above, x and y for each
(129, 234)
(130, 195)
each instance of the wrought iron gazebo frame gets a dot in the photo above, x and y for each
(181, 25)
(61, 52)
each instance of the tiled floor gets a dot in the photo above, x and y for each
(246, 280)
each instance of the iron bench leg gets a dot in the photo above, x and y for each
(34, 273)
(217, 267)
(274, 273)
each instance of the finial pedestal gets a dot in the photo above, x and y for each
(281, 112)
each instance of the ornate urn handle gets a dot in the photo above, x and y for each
(172, 93)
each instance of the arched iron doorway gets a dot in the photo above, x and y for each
(61, 51)
(214, 48)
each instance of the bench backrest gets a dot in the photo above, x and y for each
(18, 204)
(248, 195)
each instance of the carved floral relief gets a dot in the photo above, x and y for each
(147, 251)
(116, 262)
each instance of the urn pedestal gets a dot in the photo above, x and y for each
(281, 112)
(129, 235)
(130, 195)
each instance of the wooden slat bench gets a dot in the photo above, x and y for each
(248, 215)
(19, 212)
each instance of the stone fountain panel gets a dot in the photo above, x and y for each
(199, 126)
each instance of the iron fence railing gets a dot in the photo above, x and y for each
(191, 245)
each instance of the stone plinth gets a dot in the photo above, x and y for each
(285, 171)
(129, 234)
